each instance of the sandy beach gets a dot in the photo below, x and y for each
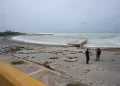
(66, 64)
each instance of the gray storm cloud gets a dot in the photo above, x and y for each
(60, 15)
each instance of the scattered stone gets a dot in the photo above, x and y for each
(90, 83)
(75, 68)
(70, 60)
(66, 50)
(113, 60)
(53, 58)
(82, 80)
(21, 52)
(50, 62)
(117, 65)
(55, 53)
(87, 70)
(80, 52)
(117, 54)
(22, 47)
(67, 66)
(100, 68)
(45, 62)
(64, 54)
(101, 82)
(55, 63)
(96, 81)
(23, 58)
(33, 57)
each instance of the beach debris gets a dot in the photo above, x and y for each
(100, 68)
(113, 60)
(59, 51)
(22, 47)
(54, 52)
(67, 66)
(96, 81)
(80, 52)
(72, 57)
(33, 57)
(90, 83)
(87, 70)
(44, 62)
(64, 54)
(11, 49)
(80, 73)
(73, 53)
(101, 82)
(117, 54)
(66, 50)
(23, 58)
(21, 52)
(82, 80)
(53, 58)
(117, 65)
(50, 62)
(55, 63)
(70, 60)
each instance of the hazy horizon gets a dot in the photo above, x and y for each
(60, 16)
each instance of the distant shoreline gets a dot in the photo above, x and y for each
(27, 34)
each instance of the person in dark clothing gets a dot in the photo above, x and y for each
(98, 53)
(87, 56)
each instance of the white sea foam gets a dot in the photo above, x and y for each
(94, 40)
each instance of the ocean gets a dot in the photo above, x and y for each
(111, 40)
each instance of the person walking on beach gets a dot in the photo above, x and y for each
(98, 53)
(87, 56)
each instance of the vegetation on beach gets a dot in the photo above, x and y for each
(10, 33)
(17, 62)
(73, 84)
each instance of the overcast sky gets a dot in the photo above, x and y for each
(60, 15)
